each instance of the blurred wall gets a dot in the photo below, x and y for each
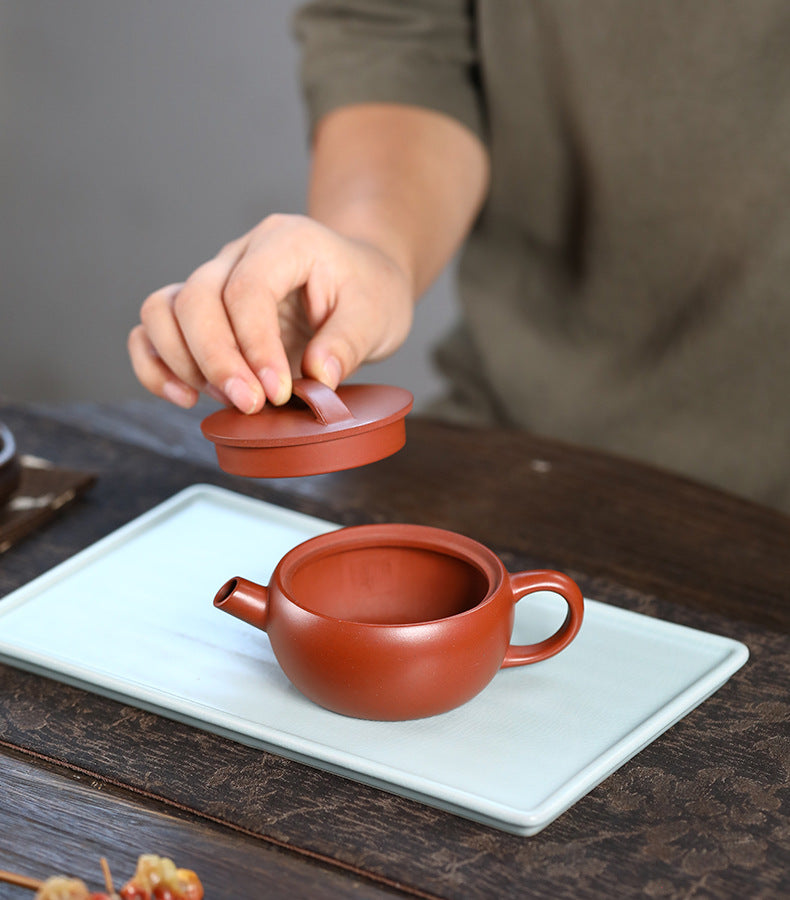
(136, 139)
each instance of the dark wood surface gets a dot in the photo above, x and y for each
(703, 811)
(78, 818)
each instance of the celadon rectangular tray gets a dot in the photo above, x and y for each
(132, 618)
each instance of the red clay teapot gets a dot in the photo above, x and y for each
(395, 621)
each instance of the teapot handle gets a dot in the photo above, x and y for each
(523, 583)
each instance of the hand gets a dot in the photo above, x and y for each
(289, 297)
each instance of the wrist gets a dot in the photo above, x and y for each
(376, 235)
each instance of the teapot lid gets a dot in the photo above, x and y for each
(319, 430)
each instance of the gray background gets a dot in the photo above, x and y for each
(135, 139)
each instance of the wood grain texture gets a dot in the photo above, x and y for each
(56, 822)
(702, 811)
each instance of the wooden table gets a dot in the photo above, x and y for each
(704, 811)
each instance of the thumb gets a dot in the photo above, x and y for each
(324, 366)
(347, 339)
(371, 317)
(330, 359)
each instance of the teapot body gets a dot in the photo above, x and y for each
(388, 671)
(395, 621)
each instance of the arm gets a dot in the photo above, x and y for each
(393, 192)
(405, 179)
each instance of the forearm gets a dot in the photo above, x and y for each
(409, 181)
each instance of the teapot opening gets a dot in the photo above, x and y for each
(245, 600)
(225, 591)
(388, 585)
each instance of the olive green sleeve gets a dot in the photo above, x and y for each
(415, 52)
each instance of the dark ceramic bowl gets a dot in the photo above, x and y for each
(9, 464)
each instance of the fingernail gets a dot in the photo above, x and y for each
(276, 388)
(240, 394)
(333, 371)
(179, 394)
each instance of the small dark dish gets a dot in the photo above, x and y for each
(9, 465)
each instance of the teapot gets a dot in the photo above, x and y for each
(396, 621)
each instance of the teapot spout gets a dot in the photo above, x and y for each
(245, 600)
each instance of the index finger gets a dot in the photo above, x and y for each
(202, 317)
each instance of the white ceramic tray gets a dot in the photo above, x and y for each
(132, 618)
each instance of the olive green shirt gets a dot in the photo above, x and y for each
(627, 284)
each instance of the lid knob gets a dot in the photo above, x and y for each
(327, 407)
